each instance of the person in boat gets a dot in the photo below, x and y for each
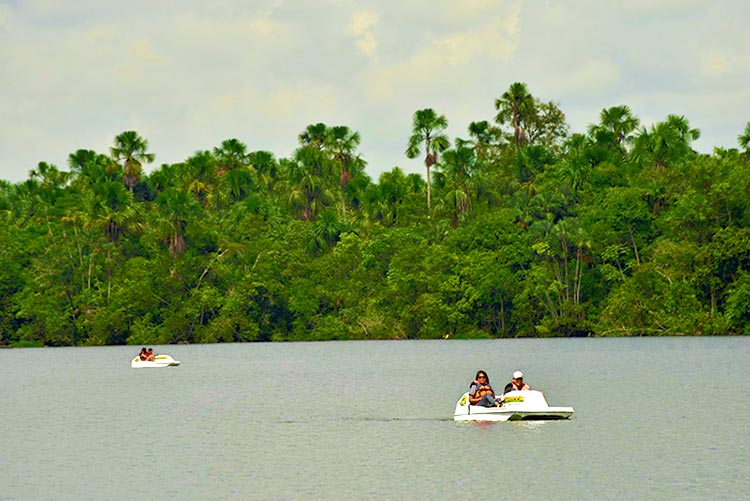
(143, 355)
(516, 384)
(480, 391)
(150, 355)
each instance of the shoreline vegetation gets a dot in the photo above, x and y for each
(520, 229)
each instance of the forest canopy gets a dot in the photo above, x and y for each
(521, 228)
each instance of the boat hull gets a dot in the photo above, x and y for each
(527, 405)
(158, 362)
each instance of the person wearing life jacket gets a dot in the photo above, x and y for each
(143, 355)
(516, 384)
(480, 391)
(150, 355)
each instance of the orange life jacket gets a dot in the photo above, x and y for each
(483, 390)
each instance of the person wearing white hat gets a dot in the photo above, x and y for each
(516, 384)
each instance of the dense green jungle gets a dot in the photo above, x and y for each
(523, 229)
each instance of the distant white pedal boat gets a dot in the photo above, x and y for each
(158, 361)
(524, 405)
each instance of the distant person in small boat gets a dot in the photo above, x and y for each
(143, 355)
(150, 355)
(480, 391)
(516, 384)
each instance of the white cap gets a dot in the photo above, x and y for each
(517, 375)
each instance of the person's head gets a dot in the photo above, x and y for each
(143, 349)
(518, 377)
(150, 350)
(482, 377)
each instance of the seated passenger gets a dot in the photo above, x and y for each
(150, 355)
(143, 355)
(516, 384)
(480, 391)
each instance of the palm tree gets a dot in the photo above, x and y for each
(131, 149)
(90, 168)
(485, 137)
(516, 105)
(111, 209)
(665, 142)
(427, 128)
(266, 168)
(177, 208)
(314, 135)
(235, 185)
(81, 160)
(307, 189)
(198, 176)
(615, 127)
(578, 161)
(327, 230)
(50, 176)
(457, 177)
(232, 154)
(682, 126)
(744, 139)
(342, 144)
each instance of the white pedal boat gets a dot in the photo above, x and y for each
(158, 361)
(524, 405)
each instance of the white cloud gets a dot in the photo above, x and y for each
(453, 58)
(190, 74)
(360, 26)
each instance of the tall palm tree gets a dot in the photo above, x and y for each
(427, 128)
(307, 187)
(342, 144)
(515, 106)
(132, 150)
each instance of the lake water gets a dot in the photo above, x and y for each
(656, 418)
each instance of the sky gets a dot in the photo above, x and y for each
(187, 75)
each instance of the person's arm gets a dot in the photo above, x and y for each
(473, 391)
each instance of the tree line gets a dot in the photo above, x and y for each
(522, 228)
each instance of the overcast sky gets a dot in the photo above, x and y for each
(187, 74)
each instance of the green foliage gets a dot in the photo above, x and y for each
(533, 233)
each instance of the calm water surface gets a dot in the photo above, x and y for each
(664, 418)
